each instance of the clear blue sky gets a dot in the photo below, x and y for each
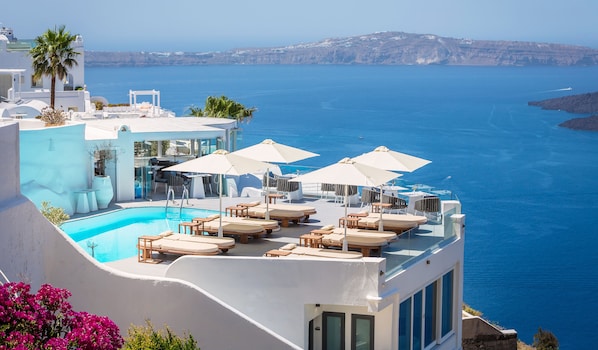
(195, 25)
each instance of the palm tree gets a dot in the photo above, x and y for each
(53, 56)
(223, 107)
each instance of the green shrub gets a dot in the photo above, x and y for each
(545, 340)
(55, 215)
(146, 337)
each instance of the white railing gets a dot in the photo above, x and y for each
(4, 279)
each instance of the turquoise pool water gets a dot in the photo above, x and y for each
(113, 236)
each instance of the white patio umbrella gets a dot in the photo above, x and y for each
(348, 172)
(384, 158)
(270, 151)
(220, 162)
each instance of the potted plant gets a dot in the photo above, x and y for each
(53, 117)
(102, 182)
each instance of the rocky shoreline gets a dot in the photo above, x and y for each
(580, 104)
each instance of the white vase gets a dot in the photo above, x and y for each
(104, 191)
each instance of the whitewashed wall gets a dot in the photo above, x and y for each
(35, 251)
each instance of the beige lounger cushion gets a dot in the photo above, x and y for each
(387, 235)
(267, 224)
(229, 227)
(289, 246)
(307, 210)
(392, 221)
(166, 233)
(221, 242)
(184, 247)
(276, 213)
(325, 253)
(336, 240)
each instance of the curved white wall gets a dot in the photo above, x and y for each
(274, 291)
(35, 251)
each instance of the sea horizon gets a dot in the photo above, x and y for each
(527, 186)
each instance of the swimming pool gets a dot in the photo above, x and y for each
(113, 236)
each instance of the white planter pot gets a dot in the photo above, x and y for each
(104, 191)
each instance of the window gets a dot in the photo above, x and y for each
(36, 83)
(430, 313)
(427, 315)
(362, 332)
(417, 320)
(447, 303)
(405, 325)
(333, 329)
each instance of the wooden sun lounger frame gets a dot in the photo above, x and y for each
(145, 249)
(243, 236)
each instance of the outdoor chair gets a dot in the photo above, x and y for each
(396, 203)
(429, 206)
(368, 196)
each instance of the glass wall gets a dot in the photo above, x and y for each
(427, 316)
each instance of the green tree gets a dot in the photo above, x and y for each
(223, 107)
(53, 56)
(545, 340)
(148, 338)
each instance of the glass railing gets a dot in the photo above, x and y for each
(417, 243)
(19, 46)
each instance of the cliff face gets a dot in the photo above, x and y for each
(388, 48)
(582, 104)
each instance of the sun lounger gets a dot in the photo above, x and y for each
(292, 250)
(223, 243)
(392, 222)
(268, 225)
(364, 243)
(241, 230)
(284, 216)
(307, 210)
(389, 236)
(149, 244)
(330, 229)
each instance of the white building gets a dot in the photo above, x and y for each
(18, 87)
(411, 300)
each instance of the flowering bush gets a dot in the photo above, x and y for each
(45, 320)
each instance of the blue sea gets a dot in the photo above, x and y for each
(529, 187)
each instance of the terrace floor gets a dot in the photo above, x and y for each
(408, 245)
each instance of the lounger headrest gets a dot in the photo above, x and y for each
(327, 228)
(214, 216)
(289, 246)
(166, 233)
(255, 203)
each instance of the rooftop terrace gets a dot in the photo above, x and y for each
(399, 254)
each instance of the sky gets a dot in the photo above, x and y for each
(201, 26)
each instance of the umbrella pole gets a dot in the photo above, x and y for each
(267, 193)
(220, 234)
(345, 243)
(380, 223)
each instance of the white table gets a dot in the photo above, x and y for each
(197, 187)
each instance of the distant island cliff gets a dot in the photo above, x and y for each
(580, 104)
(386, 48)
